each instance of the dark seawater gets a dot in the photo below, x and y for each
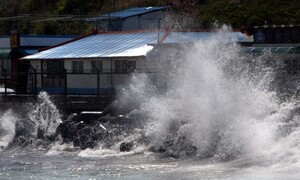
(221, 115)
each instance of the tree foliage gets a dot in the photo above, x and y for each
(250, 12)
(185, 13)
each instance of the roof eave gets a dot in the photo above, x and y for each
(96, 57)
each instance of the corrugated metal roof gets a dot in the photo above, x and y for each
(123, 44)
(127, 13)
(188, 37)
(102, 45)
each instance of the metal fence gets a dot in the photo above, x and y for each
(66, 83)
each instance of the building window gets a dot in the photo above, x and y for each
(131, 66)
(5, 67)
(123, 66)
(120, 66)
(77, 66)
(97, 65)
(53, 68)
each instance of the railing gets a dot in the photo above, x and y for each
(68, 83)
(14, 91)
(96, 83)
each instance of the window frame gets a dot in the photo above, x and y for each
(97, 64)
(77, 67)
(125, 66)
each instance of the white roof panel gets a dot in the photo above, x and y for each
(102, 45)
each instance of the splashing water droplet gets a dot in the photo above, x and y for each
(7, 128)
(45, 117)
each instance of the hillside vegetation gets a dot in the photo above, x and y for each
(53, 16)
(250, 12)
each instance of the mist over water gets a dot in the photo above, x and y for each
(223, 105)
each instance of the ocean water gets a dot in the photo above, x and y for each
(37, 165)
(222, 115)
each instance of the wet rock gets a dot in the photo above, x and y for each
(126, 146)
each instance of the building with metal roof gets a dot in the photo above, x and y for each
(100, 63)
(132, 12)
(13, 73)
(280, 40)
(139, 18)
(103, 60)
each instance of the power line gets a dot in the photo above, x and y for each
(43, 18)
(12, 18)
